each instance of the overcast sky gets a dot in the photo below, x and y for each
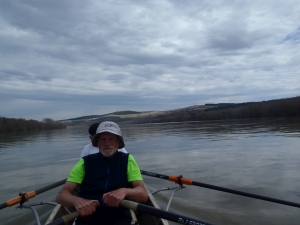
(71, 58)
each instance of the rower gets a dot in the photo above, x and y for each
(105, 178)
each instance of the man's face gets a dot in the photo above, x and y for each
(108, 144)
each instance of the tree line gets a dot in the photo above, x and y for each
(22, 125)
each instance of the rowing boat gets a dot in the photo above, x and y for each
(149, 213)
(137, 217)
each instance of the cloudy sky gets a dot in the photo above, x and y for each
(71, 58)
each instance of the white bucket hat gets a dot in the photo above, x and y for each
(110, 127)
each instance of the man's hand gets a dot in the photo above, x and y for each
(86, 207)
(65, 197)
(114, 198)
(138, 194)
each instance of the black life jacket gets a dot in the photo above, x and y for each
(103, 175)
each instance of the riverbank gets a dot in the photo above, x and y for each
(10, 125)
(280, 108)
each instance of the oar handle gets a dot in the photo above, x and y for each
(68, 218)
(177, 218)
(65, 219)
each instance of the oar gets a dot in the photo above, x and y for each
(141, 208)
(182, 180)
(177, 218)
(30, 194)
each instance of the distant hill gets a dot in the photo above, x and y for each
(127, 112)
(119, 116)
(288, 107)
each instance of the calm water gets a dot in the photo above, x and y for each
(256, 156)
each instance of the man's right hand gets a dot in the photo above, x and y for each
(86, 207)
(65, 197)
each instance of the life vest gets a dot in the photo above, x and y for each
(103, 175)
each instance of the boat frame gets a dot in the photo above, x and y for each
(137, 218)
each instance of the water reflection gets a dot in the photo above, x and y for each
(286, 127)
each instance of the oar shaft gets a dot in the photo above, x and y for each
(51, 186)
(165, 177)
(246, 194)
(30, 194)
(209, 186)
(151, 174)
(3, 205)
(177, 218)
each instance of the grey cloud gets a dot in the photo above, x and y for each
(144, 55)
(39, 16)
(293, 37)
(10, 74)
(21, 75)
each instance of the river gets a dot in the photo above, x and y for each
(256, 156)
